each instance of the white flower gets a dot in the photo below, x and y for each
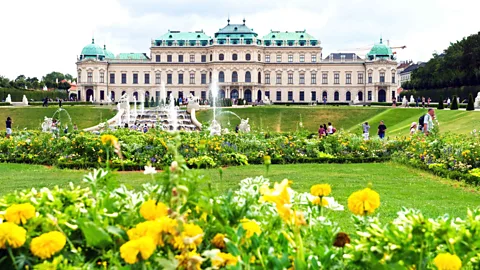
(333, 205)
(150, 170)
(174, 167)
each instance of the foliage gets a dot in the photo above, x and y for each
(454, 105)
(17, 94)
(471, 105)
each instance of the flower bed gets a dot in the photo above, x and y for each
(175, 223)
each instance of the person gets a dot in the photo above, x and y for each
(423, 102)
(417, 101)
(145, 128)
(75, 127)
(381, 130)
(448, 102)
(330, 129)
(126, 125)
(428, 121)
(324, 100)
(394, 102)
(366, 130)
(65, 130)
(428, 101)
(236, 129)
(134, 126)
(9, 126)
(413, 128)
(60, 102)
(321, 131)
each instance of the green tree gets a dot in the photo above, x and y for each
(440, 103)
(63, 85)
(471, 105)
(68, 77)
(454, 105)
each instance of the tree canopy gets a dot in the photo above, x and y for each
(51, 80)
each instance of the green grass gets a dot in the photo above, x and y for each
(286, 119)
(398, 186)
(32, 117)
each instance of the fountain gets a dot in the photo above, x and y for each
(50, 125)
(163, 94)
(214, 91)
(24, 100)
(215, 128)
(134, 108)
(142, 102)
(8, 99)
(477, 100)
(172, 114)
(244, 126)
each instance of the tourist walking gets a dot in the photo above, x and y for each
(366, 130)
(60, 103)
(413, 128)
(423, 102)
(145, 128)
(448, 102)
(9, 126)
(324, 100)
(321, 131)
(394, 102)
(381, 130)
(75, 127)
(428, 101)
(428, 121)
(417, 101)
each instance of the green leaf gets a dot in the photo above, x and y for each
(232, 249)
(117, 232)
(94, 234)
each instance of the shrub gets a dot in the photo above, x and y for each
(440, 103)
(471, 105)
(454, 105)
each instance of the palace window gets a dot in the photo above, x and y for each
(234, 76)
(259, 58)
(79, 76)
(248, 76)
(360, 78)
(336, 78)
(290, 78)
(314, 78)
(348, 78)
(314, 96)
(157, 58)
(279, 95)
(204, 78)
(180, 58)
(89, 77)
(147, 78)
(348, 96)
(192, 58)
(102, 77)
(169, 58)
(211, 58)
(248, 57)
(221, 57)
(204, 58)
(279, 78)
(112, 78)
(369, 77)
(393, 77)
(336, 96)
(382, 77)
(369, 95)
(203, 95)
(234, 57)
(267, 58)
(302, 78)
(267, 78)
(135, 78)
(192, 78)
(169, 79)
(221, 76)
(157, 78)
(314, 58)
(290, 95)
(302, 95)
(290, 58)
(324, 78)
(279, 58)
(124, 78)
(302, 58)
(267, 94)
(180, 78)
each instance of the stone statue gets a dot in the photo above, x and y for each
(244, 126)
(8, 99)
(477, 100)
(412, 99)
(215, 128)
(25, 100)
(47, 124)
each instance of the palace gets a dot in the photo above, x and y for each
(281, 66)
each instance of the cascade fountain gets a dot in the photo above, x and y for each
(215, 128)
(172, 114)
(8, 99)
(142, 102)
(163, 94)
(48, 123)
(135, 108)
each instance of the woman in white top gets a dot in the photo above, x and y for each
(413, 128)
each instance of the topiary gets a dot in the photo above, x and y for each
(440, 103)
(471, 105)
(454, 105)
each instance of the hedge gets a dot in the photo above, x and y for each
(17, 95)
(64, 103)
(436, 94)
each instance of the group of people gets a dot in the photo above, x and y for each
(138, 127)
(425, 123)
(325, 130)
(380, 132)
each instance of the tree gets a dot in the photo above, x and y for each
(454, 105)
(63, 85)
(68, 77)
(440, 103)
(471, 105)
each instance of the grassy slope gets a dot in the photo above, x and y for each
(285, 119)
(32, 117)
(397, 185)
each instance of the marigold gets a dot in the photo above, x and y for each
(447, 261)
(47, 244)
(109, 140)
(145, 246)
(20, 213)
(190, 238)
(320, 201)
(154, 229)
(278, 195)
(251, 227)
(224, 259)
(321, 190)
(189, 260)
(219, 241)
(151, 210)
(363, 202)
(12, 235)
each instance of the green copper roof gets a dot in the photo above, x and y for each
(235, 31)
(297, 35)
(132, 56)
(108, 54)
(380, 51)
(93, 50)
(177, 35)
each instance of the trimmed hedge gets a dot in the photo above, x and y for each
(64, 103)
(17, 95)
(5, 104)
(436, 94)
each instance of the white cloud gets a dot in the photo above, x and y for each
(43, 36)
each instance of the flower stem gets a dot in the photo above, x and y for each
(10, 253)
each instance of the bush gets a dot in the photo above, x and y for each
(440, 103)
(454, 105)
(17, 94)
(471, 105)
(5, 104)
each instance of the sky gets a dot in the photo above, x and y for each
(38, 37)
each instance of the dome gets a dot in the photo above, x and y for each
(380, 51)
(108, 54)
(92, 50)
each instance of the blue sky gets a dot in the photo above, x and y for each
(42, 36)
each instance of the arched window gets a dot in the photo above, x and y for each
(221, 76)
(336, 96)
(235, 57)
(234, 76)
(259, 77)
(248, 95)
(211, 58)
(349, 96)
(221, 93)
(248, 57)
(360, 96)
(248, 77)
(324, 94)
(221, 57)
(259, 58)
(234, 94)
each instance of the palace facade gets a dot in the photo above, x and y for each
(280, 66)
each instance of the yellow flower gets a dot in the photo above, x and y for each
(152, 211)
(131, 249)
(154, 229)
(47, 244)
(12, 235)
(251, 227)
(219, 241)
(447, 261)
(109, 140)
(224, 259)
(190, 238)
(321, 190)
(363, 202)
(278, 195)
(20, 213)
(317, 201)
(189, 260)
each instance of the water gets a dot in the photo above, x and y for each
(47, 125)
(163, 94)
(172, 114)
(228, 112)
(135, 107)
(214, 90)
(59, 111)
(142, 102)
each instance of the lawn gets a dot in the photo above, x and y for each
(32, 117)
(397, 185)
